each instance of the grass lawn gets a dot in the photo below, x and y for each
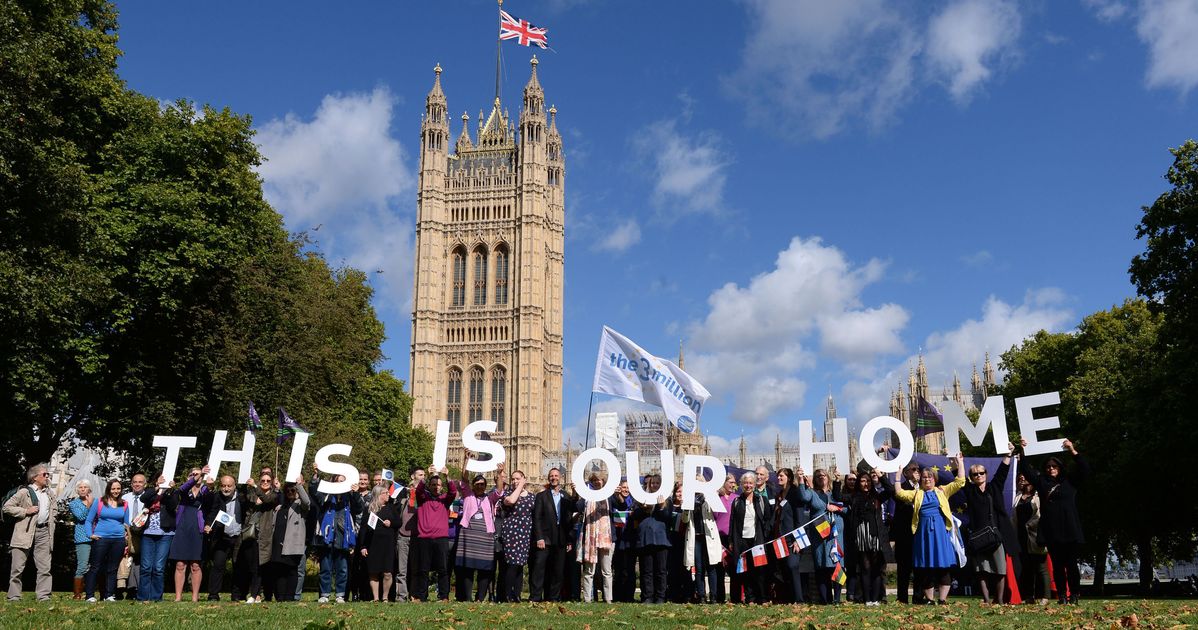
(61, 614)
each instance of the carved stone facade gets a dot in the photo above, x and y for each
(903, 404)
(487, 303)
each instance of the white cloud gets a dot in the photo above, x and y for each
(753, 343)
(980, 258)
(967, 39)
(858, 336)
(689, 171)
(1107, 10)
(810, 67)
(342, 170)
(1168, 28)
(1000, 326)
(621, 237)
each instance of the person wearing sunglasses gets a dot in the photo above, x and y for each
(31, 509)
(991, 536)
(1060, 522)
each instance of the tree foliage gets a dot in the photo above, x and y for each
(1109, 377)
(146, 287)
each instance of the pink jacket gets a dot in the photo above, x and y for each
(486, 503)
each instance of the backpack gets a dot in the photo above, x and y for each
(8, 518)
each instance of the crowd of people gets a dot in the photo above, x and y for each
(383, 540)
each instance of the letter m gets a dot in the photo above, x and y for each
(991, 418)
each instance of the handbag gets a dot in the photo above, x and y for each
(984, 540)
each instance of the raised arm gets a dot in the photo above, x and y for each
(1081, 470)
(956, 484)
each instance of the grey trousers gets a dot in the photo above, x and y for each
(300, 572)
(403, 544)
(41, 561)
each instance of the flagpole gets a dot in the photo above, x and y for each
(587, 439)
(498, 50)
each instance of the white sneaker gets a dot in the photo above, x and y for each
(322, 600)
(340, 599)
(110, 598)
(250, 600)
(91, 600)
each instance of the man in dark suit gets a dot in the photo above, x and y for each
(768, 494)
(552, 518)
(900, 533)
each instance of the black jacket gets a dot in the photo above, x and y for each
(900, 523)
(215, 502)
(547, 524)
(168, 505)
(1059, 520)
(988, 508)
(737, 522)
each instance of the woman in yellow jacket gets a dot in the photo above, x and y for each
(932, 525)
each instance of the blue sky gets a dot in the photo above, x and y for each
(807, 193)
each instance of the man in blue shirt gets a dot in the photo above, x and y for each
(552, 517)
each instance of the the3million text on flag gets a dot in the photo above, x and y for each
(624, 369)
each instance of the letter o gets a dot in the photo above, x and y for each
(578, 474)
(906, 444)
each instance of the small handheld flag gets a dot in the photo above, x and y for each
(741, 566)
(287, 427)
(781, 549)
(759, 558)
(253, 423)
(224, 518)
(823, 528)
(388, 475)
(373, 521)
(838, 574)
(800, 536)
(395, 490)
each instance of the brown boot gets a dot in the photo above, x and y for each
(78, 588)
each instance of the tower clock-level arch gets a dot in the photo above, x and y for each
(487, 303)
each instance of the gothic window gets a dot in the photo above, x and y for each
(459, 278)
(480, 277)
(501, 276)
(476, 394)
(453, 409)
(498, 396)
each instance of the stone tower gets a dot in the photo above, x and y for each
(487, 302)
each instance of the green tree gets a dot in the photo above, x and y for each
(1108, 377)
(60, 102)
(146, 287)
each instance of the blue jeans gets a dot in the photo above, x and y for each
(83, 553)
(106, 557)
(333, 560)
(154, 549)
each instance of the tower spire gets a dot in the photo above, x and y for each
(680, 361)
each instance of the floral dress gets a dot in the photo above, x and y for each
(517, 529)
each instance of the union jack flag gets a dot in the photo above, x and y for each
(521, 31)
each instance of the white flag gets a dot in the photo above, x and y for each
(624, 369)
(224, 518)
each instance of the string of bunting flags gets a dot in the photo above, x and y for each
(818, 528)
